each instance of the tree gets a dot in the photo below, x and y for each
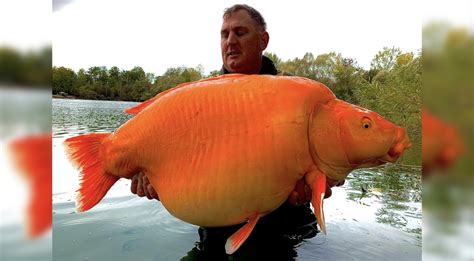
(348, 76)
(175, 76)
(386, 59)
(396, 95)
(63, 79)
(32, 68)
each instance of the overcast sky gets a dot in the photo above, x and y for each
(157, 35)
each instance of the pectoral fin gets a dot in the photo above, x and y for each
(317, 181)
(238, 238)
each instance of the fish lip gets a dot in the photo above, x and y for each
(396, 150)
(387, 158)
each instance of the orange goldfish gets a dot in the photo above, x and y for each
(441, 145)
(230, 149)
(32, 156)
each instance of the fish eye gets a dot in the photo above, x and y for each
(366, 123)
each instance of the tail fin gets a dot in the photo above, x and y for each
(85, 152)
(32, 156)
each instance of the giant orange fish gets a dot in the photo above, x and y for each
(441, 146)
(32, 156)
(230, 149)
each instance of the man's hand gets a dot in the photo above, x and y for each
(302, 192)
(142, 187)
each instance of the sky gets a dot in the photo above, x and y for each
(157, 35)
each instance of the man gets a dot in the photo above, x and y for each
(243, 40)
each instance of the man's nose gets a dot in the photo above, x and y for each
(232, 38)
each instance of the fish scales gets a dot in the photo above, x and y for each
(206, 116)
(230, 149)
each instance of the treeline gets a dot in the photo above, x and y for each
(391, 87)
(100, 83)
(26, 68)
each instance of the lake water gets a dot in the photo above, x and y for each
(375, 215)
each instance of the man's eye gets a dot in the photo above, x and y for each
(224, 35)
(241, 32)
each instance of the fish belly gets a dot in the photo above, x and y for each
(218, 153)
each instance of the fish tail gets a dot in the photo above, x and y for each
(40, 208)
(32, 157)
(85, 152)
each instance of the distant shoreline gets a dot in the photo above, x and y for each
(56, 96)
(70, 97)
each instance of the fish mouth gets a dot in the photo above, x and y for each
(397, 149)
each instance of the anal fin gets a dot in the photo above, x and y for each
(238, 238)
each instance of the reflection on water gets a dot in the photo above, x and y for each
(73, 117)
(23, 112)
(394, 190)
(448, 218)
(376, 215)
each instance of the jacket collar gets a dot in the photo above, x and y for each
(267, 67)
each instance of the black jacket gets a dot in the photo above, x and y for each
(267, 67)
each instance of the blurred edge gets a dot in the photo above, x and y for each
(448, 86)
(25, 110)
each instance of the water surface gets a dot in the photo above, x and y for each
(376, 214)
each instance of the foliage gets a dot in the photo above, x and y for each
(448, 64)
(32, 68)
(396, 95)
(100, 83)
(391, 87)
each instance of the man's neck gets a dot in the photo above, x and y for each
(267, 67)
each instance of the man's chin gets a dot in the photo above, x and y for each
(234, 65)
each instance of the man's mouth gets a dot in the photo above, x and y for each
(232, 53)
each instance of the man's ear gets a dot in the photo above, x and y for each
(264, 40)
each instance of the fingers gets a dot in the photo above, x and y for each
(134, 185)
(330, 184)
(302, 192)
(142, 187)
(293, 198)
(152, 193)
(300, 189)
(147, 188)
(328, 192)
(308, 193)
(140, 190)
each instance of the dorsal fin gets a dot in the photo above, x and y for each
(143, 105)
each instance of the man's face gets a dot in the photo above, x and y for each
(242, 43)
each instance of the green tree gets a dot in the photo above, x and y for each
(386, 59)
(63, 79)
(348, 76)
(397, 96)
(276, 61)
(175, 76)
